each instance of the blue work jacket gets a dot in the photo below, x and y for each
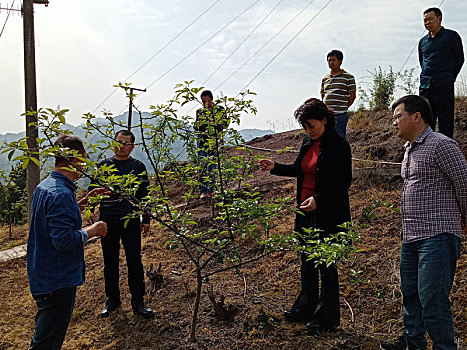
(55, 257)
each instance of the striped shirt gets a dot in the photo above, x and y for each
(336, 90)
(434, 193)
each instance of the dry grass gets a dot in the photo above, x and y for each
(370, 296)
(360, 121)
(18, 236)
(373, 296)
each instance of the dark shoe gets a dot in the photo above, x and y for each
(400, 344)
(325, 319)
(109, 307)
(302, 309)
(316, 329)
(143, 311)
(320, 324)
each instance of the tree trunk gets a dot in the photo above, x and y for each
(199, 284)
(9, 222)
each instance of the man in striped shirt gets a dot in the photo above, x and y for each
(338, 90)
(434, 213)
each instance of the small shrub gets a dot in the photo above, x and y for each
(408, 84)
(381, 89)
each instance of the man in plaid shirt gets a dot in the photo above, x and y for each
(434, 212)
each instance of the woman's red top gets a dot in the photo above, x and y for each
(309, 169)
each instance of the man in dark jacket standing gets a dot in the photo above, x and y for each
(210, 125)
(112, 211)
(441, 58)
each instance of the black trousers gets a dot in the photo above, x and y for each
(329, 309)
(131, 239)
(442, 104)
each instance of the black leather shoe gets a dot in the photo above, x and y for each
(318, 328)
(401, 343)
(143, 311)
(302, 309)
(109, 307)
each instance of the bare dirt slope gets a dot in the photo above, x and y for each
(370, 292)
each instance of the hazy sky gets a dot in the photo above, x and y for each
(85, 47)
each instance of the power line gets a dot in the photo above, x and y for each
(290, 41)
(8, 16)
(261, 48)
(236, 49)
(200, 46)
(243, 41)
(264, 45)
(158, 52)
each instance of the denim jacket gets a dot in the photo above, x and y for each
(56, 241)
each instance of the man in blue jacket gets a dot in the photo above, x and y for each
(55, 259)
(441, 58)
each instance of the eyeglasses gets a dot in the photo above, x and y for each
(124, 143)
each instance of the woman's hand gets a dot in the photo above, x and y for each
(266, 164)
(308, 204)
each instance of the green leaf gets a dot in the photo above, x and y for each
(35, 161)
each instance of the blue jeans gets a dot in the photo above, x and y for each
(341, 123)
(206, 178)
(52, 319)
(427, 273)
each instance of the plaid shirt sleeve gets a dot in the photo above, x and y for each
(452, 162)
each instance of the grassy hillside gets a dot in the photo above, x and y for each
(371, 304)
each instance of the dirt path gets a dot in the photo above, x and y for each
(13, 253)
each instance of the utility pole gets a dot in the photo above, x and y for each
(33, 170)
(130, 110)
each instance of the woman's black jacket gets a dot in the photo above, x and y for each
(333, 179)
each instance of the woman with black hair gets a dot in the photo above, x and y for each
(324, 173)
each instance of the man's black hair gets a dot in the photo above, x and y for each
(415, 103)
(314, 109)
(436, 10)
(336, 53)
(125, 132)
(207, 93)
(69, 142)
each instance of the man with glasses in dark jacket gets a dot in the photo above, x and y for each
(113, 211)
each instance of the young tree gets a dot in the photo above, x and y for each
(380, 91)
(212, 240)
(14, 197)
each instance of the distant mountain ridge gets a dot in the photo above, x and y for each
(247, 135)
